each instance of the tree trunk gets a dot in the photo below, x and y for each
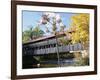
(57, 51)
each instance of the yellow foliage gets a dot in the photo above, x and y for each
(80, 24)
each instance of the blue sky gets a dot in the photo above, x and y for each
(31, 18)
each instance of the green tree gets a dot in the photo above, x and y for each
(37, 32)
(27, 35)
(32, 34)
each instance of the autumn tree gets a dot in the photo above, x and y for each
(80, 26)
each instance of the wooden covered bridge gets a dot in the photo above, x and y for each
(47, 45)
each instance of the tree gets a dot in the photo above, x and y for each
(37, 32)
(27, 35)
(80, 26)
(53, 19)
(32, 34)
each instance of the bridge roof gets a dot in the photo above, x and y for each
(43, 38)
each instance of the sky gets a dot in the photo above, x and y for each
(31, 18)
